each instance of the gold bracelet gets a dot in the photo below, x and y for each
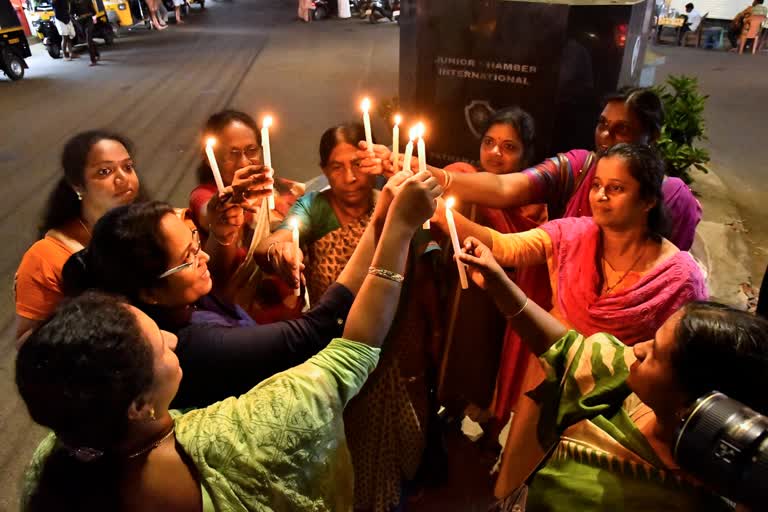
(386, 274)
(510, 317)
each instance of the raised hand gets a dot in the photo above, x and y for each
(250, 185)
(226, 218)
(287, 262)
(376, 161)
(415, 199)
(483, 269)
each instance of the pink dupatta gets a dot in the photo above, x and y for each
(632, 314)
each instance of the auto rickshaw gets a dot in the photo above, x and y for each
(43, 23)
(14, 47)
(119, 13)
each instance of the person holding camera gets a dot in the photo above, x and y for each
(596, 430)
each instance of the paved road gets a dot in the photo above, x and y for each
(158, 88)
(737, 86)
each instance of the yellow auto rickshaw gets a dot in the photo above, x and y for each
(14, 47)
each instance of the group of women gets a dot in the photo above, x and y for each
(288, 401)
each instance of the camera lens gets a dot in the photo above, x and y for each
(725, 444)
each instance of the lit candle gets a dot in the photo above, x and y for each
(455, 241)
(366, 106)
(294, 222)
(422, 156)
(409, 150)
(265, 124)
(213, 164)
(396, 139)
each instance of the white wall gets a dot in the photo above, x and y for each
(717, 9)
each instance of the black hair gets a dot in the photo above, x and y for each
(758, 2)
(350, 133)
(722, 349)
(689, 7)
(213, 127)
(523, 124)
(126, 254)
(78, 374)
(63, 205)
(645, 104)
(646, 166)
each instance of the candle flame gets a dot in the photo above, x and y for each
(210, 142)
(412, 133)
(365, 105)
(420, 130)
(450, 202)
(294, 222)
(266, 122)
(398, 119)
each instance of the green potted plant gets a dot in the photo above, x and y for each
(683, 127)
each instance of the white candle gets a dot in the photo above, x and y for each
(213, 164)
(396, 140)
(422, 156)
(409, 150)
(366, 106)
(455, 241)
(294, 222)
(265, 124)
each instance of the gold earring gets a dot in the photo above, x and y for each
(79, 195)
(152, 414)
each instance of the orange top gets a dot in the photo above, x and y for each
(38, 282)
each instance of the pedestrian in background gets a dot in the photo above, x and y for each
(177, 8)
(85, 14)
(305, 6)
(737, 25)
(63, 22)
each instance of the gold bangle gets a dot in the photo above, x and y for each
(510, 317)
(447, 180)
(386, 274)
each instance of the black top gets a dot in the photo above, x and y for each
(82, 8)
(221, 358)
(61, 10)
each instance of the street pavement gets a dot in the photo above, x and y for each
(733, 236)
(158, 88)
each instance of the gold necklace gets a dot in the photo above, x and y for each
(155, 444)
(617, 283)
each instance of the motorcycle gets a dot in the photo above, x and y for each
(322, 9)
(380, 9)
(47, 31)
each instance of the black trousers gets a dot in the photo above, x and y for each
(89, 27)
(733, 36)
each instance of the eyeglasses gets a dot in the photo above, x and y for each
(251, 153)
(194, 251)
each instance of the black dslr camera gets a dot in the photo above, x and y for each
(724, 443)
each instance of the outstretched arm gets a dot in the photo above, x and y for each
(374, 308)
(534, 324)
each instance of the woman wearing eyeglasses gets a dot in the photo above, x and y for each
(239, 155)
(147, 254)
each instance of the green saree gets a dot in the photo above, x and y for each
(281, 446)
(583, 411)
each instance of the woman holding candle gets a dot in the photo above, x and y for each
(99, 174)
(562, 183)
(507, 146)
(613, 272)
(146, 254)
(279, 446)
(597, 430)
(238, 153)
(386, 424)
